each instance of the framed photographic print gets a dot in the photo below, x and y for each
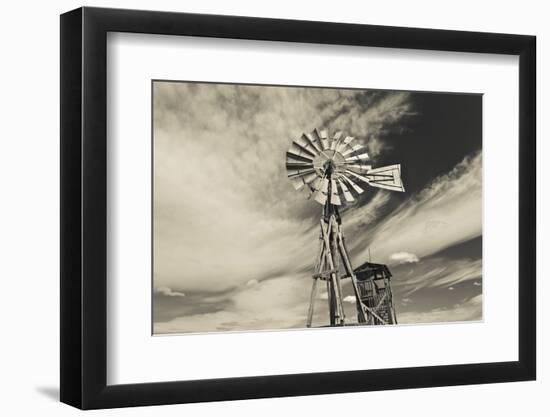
(257, 208)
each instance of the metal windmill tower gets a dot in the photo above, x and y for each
(330, 168)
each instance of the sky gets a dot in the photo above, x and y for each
(234, 244)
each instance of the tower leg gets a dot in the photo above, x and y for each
(337, 282)
(329, 301)
(319, 265)
(392, 307)
(312, 302)
(332, 304)
(361, 318)
(335, 296)
(327, 268)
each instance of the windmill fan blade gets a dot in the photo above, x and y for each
(305, 144)
(315, 184)
(315, 143)
(335, 140)
(297, 183)
(320, 197)
(324, 139)
(310, 178)
(388, 177)
(321, 194)
(334, 196)
(345, 191)
(353, 148)
(298, 171)
(293, 173)
(316, 135)
(298, 165)
(359, 177)
(359, 167)
(291, 156)
(357, 158)
(343, 144)
(304, 179)
(353, 185)
(301, 150)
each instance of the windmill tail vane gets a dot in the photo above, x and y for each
(334, 170)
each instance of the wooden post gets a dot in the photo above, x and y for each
(390, 300)
(312, 302)
(344, 254)
(334, 252)
(319, 265)
(335, 295)
(333, 308)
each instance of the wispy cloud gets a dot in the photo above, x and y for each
(445, 213)
(225, 213)
(469, 310)
(350, 299)
(362, 216)
(274, 304)
(168, 292)
(439, 273)
(404, 258)
(371, 117)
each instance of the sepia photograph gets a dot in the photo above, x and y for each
(256, 207)
(293, 207)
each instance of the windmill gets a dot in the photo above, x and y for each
(330, 169)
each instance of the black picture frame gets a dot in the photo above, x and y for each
(84, 207)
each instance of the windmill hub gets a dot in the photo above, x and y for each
(329, 164)
(330, 168)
